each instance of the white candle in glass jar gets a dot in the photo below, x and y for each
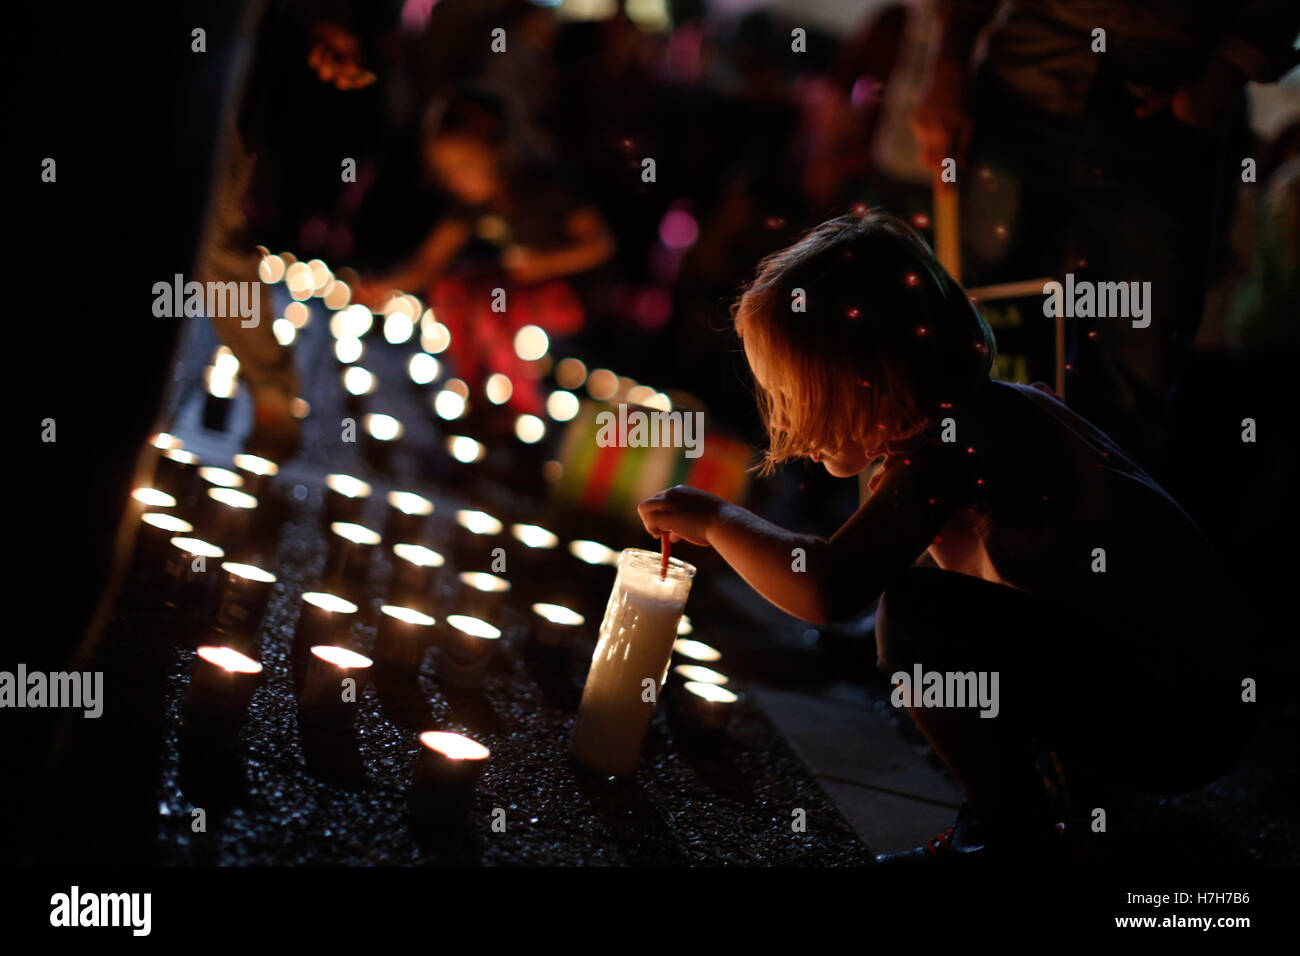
(635, 646)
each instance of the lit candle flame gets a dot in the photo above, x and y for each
(167, 522)
(348, 350)
(499, 388)
(570, 373)
(329, 602)
(232, 498)
(454, 746)
(463, 448)
(408, 615)
(198, 547)
(534, 536)
(562, 406)
(182, 456)
(153, 498)
(359, 381)
(419, 555)
(449, 405)
(257, 465)
(383, 427)
(341, 657)
(347, 486)
(558, 614)
(711, 692)
(221, 476)
(482, 581)
(531, 343)
(473, 626)
(423, 368)
(356, 533)
(248, 572)
(478, 522)
(229, 660)
(696, 651)
(530, 429)
(409, 503)
(593, 552)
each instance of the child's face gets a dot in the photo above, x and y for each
(845, 463)
(839, 463)
(468, 168)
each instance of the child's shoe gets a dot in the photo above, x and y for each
(970, 842)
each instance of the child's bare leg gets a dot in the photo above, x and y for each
(942, 622)
(991, 761)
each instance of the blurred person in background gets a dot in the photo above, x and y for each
(1091, 137)
(512, 217)
(308, 65)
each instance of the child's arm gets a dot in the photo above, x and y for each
(839, 575)
(435, 254)
(591, 246)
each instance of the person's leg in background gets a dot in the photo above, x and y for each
(1015, 189)
(227, 254)
(1143, 212)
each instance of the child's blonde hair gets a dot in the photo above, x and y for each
(863, 337)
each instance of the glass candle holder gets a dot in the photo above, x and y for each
(347, 565)
(465, 450)
(257, 473)
(408, 517)
(383, 435)
(482, 594)
(533, 554)
(242, 596)
(178, 474)
(228, 518)
(555, 626)
(630, 663)
(153, 540)
(326, 694)
(404, 634)
(477, 535)
(700, 674)
(190, 570)
(589, 574)
(416, 573)
(324, 619)
(705, 707)
(222, 683)
(447, 771)
(144, 500)
(345, 498)
(358, 384)
(468, 644)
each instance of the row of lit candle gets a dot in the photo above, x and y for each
(222, 684)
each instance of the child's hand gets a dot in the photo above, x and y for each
(684, 513)
(525, 265)
(372, 293)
